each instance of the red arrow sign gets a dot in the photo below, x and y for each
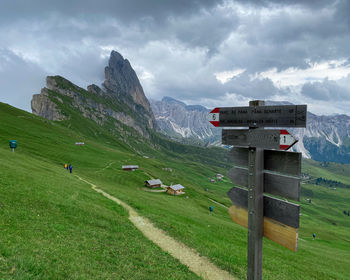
(213, 117)
(286, 140)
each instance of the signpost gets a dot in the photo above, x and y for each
(262, 165)
(13, 144)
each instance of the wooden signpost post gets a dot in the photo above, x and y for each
(262, 166)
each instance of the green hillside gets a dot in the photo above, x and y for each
(54, 226)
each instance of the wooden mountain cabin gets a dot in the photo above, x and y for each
(130, 167)
(175, 190)
(154, 183)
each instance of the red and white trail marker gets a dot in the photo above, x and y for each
(287, 140)
(214, 117)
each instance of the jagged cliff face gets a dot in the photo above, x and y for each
(326, 138)
(122, 81)
(121, 101)
(43, 106)
(177, 119)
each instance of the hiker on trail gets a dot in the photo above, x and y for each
(70, 168)
(65, 166)
(314, 236)
(211, 209)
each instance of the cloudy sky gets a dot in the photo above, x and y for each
(213, 53)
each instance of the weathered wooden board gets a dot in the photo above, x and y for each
(281, 211)
(267, 139)
(239, 176)
(262, 116)
(276, 184)
(282, 185)
(282, 234)
(288, 163)
(239, 156)
(277, 139)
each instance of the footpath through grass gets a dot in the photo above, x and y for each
(54, 226)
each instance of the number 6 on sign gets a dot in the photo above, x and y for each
(213, 117)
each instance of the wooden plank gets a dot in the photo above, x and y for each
(235, 137)
(267, 139)
(288, 163)
(256, 213)
(263, 116)
(276, 184)
(239, 176)
(281, 185)
(282, 234)
(282, 211)
(239, 156)
(283, 162)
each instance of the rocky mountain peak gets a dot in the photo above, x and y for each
(122, 81)
(120, 101)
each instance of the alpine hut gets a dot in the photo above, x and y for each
(175, 190)
(154, 183)
(130, 167)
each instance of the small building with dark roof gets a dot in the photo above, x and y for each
(130, 167)
(154, 183)
(175, 189)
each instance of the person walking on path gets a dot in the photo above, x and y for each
(70, 168)
(314, 236)
(211, 209)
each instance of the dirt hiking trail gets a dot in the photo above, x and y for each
(186, 255)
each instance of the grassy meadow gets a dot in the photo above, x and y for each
(54, 226)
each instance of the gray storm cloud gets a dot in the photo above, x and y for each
(178, 47)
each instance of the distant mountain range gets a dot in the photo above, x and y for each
(117, 112)
(178, 120)
(326, 138)
(121, 106)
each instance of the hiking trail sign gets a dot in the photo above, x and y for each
(259, 116)
(262, 168)
(268, 139)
